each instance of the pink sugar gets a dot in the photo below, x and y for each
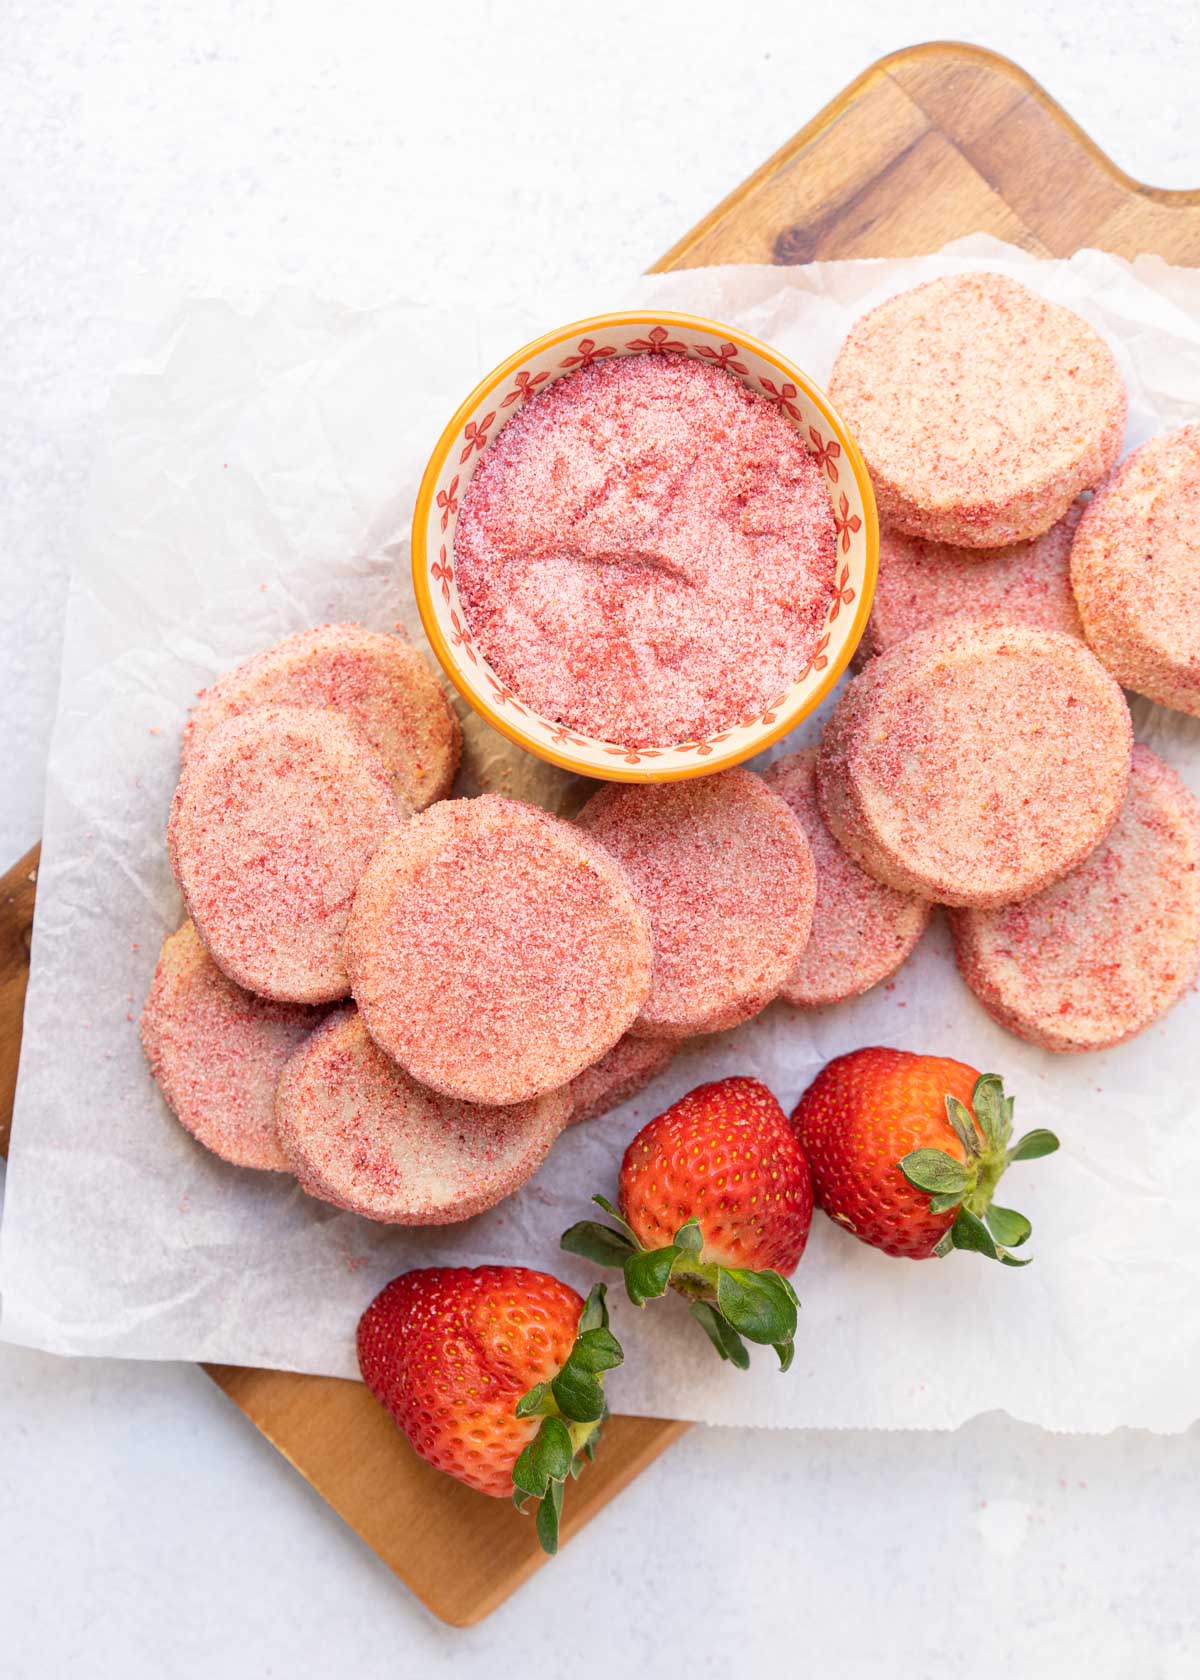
(646, 552)
(620, 1074)
(379, 683)
(495, 951)
(363, 1135)
(726, 875)
(217, 1052)
(1105, 951)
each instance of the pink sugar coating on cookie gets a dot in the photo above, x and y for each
(1107, 950)
(975, 763)
(726, 876)
(377, 682)
(360, 1133)
(494, 951)
(982, 409)
(921, 583)
(861, 931)
(1135, 568)
(646, 551)
(730, 1015)
(275, 818)
(217, 1052)
(620, 1074)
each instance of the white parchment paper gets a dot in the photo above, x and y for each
(259, 477)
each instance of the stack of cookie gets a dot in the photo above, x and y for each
(983, 759)
(402, 999)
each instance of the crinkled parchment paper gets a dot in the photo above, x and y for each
(259, 476)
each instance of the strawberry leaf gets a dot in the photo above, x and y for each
(598, 1243)
(757, 1304)
(987, 1099)
(537, 1402)
(547, 1458)
(1033, 1145)
(611, 1211)
(722, 1335)
(944, 1244)
(553, 1444)
(547, 1518)
(595, 1310)
(789, 1291)
(971, 1233)
(575, 1394)
(935, 1171)
(1009, 1228)
(580, 1397)
(786, 1352)
(596, 1350)
(648, 1272)
(963, 1123)
(943, 1204)
(689, 1237)
(529, 1478)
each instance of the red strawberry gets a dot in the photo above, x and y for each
(906, 1152)
(495, 1375)
(715, 1200)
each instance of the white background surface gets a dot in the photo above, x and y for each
(367, 153)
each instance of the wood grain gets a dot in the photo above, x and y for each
(460, 1553)
(933, 142)
(928, 144)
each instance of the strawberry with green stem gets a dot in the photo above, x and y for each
(495, 1374)
(906, 1153)
(715, 1202)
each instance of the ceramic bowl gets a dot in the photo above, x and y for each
(528, 373)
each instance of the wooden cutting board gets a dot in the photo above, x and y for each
(933, 142)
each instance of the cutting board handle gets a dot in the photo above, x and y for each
(18, 887)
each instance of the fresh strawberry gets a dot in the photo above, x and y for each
(906, 1152)
(715, 1200)
(495, 1375)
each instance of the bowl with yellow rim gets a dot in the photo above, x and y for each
(524, 376)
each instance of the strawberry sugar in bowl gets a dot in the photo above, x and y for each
(644, 547)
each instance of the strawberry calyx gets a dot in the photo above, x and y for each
(728, 1302)
(572, 1408)
(985, 1132)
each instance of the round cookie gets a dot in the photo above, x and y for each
(861, 930)
(275, 818)
(982, 409)
(379, 683)
(360, 1133)
(1135, 569)
(217, 1052)
(921, 583)
(1108, 949)
(619, 1074)
(494, 951)
(726, 876)
(975, 763)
